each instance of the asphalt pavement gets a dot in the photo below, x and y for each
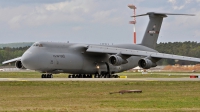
(99, 79)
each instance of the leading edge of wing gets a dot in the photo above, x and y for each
(12, 60)
(114, 50)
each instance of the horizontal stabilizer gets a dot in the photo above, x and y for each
(163, 14)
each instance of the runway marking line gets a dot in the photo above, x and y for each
(141, 80)
(16, 79)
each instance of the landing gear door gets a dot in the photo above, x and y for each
(114, 69)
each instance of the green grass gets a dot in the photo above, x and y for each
(128, 74)
(94, 96)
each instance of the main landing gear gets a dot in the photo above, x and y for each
(105, 76)
(92, 76)
(47, 76)
(80, 76)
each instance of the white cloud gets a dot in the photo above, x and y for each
(179, 5)
(74, 6)
(172, 1)
(106, 17)
(68, 11)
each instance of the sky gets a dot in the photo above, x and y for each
(94, 21)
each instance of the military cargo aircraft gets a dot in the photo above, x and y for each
(87, 60)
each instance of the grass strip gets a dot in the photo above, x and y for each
(94, 96)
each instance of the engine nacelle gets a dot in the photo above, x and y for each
(117, 60)
(18, 64)
(146, 63)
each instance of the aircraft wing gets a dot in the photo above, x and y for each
(130, 52)
(12, 60)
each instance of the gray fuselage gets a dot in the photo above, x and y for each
(53, 57)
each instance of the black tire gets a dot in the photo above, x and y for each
(45, 76)
(51, 75)
(48, 76)
(96, 76)
(42, 76)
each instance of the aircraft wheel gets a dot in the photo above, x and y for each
(69, 76)
(107, 76)
(79, 76)
(51, 75)
(86, 76)
(89, 76)
(96, 76)
(44, 76)
(103, 76)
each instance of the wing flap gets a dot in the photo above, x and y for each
(130, 52)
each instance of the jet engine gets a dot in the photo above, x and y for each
(117, 60)
(18, 64)
(146, 63)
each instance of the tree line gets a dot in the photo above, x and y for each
(8, 53)
(187, 48)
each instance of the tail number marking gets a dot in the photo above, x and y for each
(153, 32)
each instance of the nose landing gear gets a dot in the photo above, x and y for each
(47, 76)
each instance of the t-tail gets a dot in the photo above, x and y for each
(153, 29)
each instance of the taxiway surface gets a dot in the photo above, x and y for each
(99, 79)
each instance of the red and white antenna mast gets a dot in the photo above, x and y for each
(131, 6)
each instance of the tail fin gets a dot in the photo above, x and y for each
(153, 29)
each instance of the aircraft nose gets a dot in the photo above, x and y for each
(28, 60)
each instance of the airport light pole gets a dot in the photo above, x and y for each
(131, 6)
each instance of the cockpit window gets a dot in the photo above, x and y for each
(38, 45)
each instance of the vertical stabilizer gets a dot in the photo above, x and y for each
(153, 29)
